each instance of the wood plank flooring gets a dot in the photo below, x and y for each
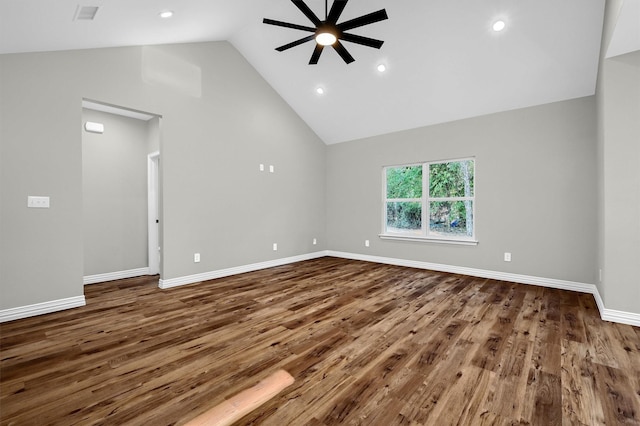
(367, 344)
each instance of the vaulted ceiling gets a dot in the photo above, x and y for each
(443, 60)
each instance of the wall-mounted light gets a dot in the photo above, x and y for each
(92, 127)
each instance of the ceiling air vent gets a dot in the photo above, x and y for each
(86, 13)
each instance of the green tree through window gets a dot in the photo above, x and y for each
(431, 200)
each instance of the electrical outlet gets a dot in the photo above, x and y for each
(315, 241)
(272, 169)
(366, 243)
(262, 167)
(507, 257)
(196, 257)
(275, 246)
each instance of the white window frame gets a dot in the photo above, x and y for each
(426, 235)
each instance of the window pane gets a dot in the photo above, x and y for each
(453, 179)
(451, 218)
(404, 217)
(404, 182)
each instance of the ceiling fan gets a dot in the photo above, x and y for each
(329, 32)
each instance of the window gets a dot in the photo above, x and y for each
(433, 201)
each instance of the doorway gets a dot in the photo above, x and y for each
(121, 193)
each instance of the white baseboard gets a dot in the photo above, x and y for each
(110, 276)
(599, 302)
(74, 302)
(621, 317)
(482, 273)
(41, 308)
(612, 315)
(212, 275)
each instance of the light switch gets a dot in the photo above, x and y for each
(37, 202)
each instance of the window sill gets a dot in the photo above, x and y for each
(427, 239)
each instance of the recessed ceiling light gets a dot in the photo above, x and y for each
(166, 14)
(498, 26)
(382, 68)
(320, 91)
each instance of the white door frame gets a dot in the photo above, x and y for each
(153, 212)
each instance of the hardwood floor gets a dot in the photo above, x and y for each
(366, 343)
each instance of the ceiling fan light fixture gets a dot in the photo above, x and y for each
(330, 32)
(326, 38)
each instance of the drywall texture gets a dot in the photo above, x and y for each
(114, 178)
(535, 190)
(220, 120)
(619, 111)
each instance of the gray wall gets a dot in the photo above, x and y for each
(220, 121)
(40, 249)
(536, 173)
(114, 177)
(618, 118)
(619, 137)
(535, 190)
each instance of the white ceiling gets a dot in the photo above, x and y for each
(626, 37)
(443, 60)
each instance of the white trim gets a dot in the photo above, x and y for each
(606, 314)
(110, 276)
(482, 273)
(41, 308)
(622, 317)
(212, 275)
(153, 213)
(421, 239)
(612, 315)
(599, 302)
(113, 109)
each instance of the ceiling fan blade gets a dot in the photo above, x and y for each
(370, 18)
(316, 54)
(287, 25)
(295, 43)
(365, 41)
(336, 10)
(346, 56)
(307, 12)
